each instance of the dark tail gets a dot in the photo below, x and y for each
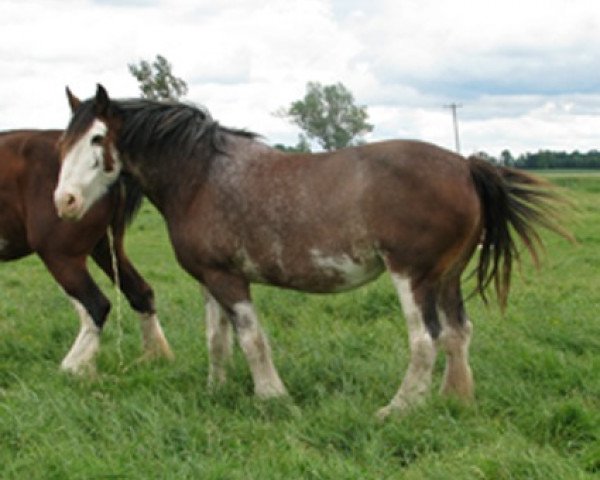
(514, 204)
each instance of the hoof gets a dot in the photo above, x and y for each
(383, 413)
(80, 370)
(216, 381)
(266, 392)
(157, 353)
(388, 411)
(150, 356)
(395, 408)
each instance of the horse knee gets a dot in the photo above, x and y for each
(248, 330)
(96, 306)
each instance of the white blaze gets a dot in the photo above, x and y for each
(82, 174)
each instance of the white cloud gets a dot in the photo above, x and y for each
(525, 73)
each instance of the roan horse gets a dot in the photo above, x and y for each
(29, 166)
(239, 212)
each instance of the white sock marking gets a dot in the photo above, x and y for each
(83, 352)
(218, 339)
(153, 338)
(417, 379)
(458, 378)
(256, 347)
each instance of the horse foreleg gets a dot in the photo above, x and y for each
(154, 342)
(257, 350)
(81, 357)
(417, 380)
(91, 305)
(138, 293)
(218, 339)
(233, 295)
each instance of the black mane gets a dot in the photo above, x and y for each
(156, 127)
(153, 126)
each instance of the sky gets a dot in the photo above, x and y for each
(525, 73)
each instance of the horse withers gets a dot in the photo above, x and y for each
(29, 166)
(239, 212)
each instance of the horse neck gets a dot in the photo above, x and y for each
(168, 183)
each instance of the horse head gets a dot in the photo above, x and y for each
(90, 162)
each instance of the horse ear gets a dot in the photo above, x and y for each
(74, 102)
(102, 102)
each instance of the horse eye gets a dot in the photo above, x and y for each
(97, 140)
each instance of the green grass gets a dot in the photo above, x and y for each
(537, 368)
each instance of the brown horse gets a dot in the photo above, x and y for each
(29, 166)
(239, 212)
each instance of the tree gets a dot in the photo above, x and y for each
(328, 115)
(506, 158)
(303, 146)
(157, 82)
(485, 156)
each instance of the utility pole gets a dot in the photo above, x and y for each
(453, 107)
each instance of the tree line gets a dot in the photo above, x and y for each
(328, 116)
(547, 159)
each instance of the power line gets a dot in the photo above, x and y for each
(453, 107)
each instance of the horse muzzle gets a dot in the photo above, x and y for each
(69, 204)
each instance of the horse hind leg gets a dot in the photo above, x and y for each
(419, 307)
(454, 340)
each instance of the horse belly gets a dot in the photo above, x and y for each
(341, 272)
(317, 272)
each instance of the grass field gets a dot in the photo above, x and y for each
(537, 368)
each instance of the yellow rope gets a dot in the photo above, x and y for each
(118, 302)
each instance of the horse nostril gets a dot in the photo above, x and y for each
(70, 200)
